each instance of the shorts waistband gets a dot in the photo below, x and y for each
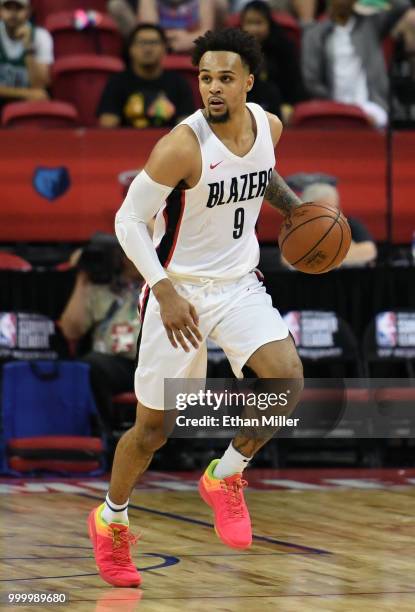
(203, 280)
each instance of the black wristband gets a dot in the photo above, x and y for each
(30, 51)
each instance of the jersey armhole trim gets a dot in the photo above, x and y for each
(202, 174)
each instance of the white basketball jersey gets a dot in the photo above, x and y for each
(209, 230)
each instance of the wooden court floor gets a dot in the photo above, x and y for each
(315, 549)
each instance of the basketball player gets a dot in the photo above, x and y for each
(206, 181)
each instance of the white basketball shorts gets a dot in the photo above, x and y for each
(236, 315)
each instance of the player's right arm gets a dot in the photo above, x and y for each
(278, 193)
(175, 158)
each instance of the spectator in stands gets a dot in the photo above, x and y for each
(343, 60)
(183, 20)
(281, 65)
(304, 10)
(124, 13)
(363, 248)
(109, 313)
(26, 53)
(145, 95)
(404, 33)
(266, 94)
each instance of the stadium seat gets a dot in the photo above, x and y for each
(9, 261)
(388, 47)
(389, 345)
(389, 354)
(43, 8)
(126, 399)
(49, 418)
(123, 414)
(290, 25)
(80, 80)
(331, 403)
(39, 114)
(326, 344)
(183, 65)
(101, 39)
(284, 20)
(318, 114)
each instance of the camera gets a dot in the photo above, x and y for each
(101, 259)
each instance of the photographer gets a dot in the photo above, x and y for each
(104, 304)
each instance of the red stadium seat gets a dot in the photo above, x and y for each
(39, 114)
(321, 394)
(80, 80)
(290, 25)
(284, 20)
(319, 114)
(9, 261)
(233, 20)
(126, 398)
(183, 65)
(70, 454)
(388, 47)
(123, 411)
(43, 8)
(396, 394)
(102, 39)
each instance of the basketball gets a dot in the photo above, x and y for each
(315, 238)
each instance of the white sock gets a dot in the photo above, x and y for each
(231, 463)
(115, 513)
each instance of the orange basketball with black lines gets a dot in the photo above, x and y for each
(315, 238)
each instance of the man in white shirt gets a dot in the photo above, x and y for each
(342, 57)
(26, 53)
(348, 74)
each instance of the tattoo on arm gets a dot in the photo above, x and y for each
(280, 196)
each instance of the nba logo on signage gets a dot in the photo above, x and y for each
(8, 329)
(386, 329)
(293, 321)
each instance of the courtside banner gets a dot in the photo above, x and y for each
(69, 183)
(262, 408)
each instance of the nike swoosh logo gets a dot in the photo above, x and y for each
(213, 166)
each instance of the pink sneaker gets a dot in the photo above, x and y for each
(225, 497)
(112, 550)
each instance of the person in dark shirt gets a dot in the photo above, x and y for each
(282, 64)
(145, 95)
(363, 248)
(267, 95)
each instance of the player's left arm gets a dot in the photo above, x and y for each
(278, 194)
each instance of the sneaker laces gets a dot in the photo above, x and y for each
(233, 496)
(121, 542)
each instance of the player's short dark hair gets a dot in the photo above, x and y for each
(230, 39)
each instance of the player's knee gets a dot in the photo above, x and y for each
(150, 428)
(150, 437)
(294, 371)
(289, 367)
